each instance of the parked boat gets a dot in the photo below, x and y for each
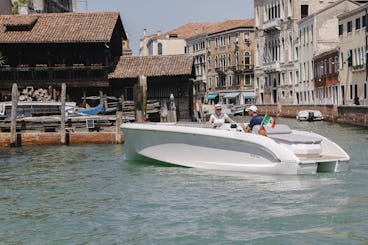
(238, 110)
(309, 115)
(284, 151)
(36, 108)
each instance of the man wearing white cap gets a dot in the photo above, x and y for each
(256, 119)
(218, 118)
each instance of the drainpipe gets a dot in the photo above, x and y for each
(366, 44)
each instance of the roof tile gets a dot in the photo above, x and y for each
(59, 27)
(153, 66)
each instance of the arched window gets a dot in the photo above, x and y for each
(247, 59)
(159, 48)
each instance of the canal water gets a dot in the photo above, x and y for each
(89, 195)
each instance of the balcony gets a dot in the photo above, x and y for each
(272, 25)
(220, 70)
(272, 67)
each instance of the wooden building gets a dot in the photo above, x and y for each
(45, 50)
(166, 75)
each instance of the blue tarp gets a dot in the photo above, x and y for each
(91, 111)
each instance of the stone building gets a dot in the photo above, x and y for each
(172, 42)
(326, 78)
(5, 7)
(276, 72)
(318, 33)
(353, 56)
(229, 59)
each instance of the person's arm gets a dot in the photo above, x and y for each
(210, 121)
(229, 119)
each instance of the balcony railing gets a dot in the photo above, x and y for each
(45, 67)
(272, 25)
(272, 66)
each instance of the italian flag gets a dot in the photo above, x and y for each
(268, 121)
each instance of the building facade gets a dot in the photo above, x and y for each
(276, 52)
(326, 78)
(230, 57)
(353, 56)
(318, 33)
(43, 50)
(38, 6)
(5, 7)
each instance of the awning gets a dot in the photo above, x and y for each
(212, 96)
(231, 95)
(249, 95)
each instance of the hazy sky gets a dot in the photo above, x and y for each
(166, 15)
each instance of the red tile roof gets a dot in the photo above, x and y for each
(153, 66)
(189, 30)
(231, 24)
(193, 29)
(58, 27)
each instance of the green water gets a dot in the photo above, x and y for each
(89, 195)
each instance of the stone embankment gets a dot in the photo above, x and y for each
(47, 131)
(356, 115)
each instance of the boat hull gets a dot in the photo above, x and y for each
(220, 150)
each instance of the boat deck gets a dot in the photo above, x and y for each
(320, 158)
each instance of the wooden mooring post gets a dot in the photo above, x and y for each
(141, 99)
(13, 118)
(62, 118)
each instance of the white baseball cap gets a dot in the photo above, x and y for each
(252, 108)
(217, 106)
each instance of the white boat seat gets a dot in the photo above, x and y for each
(278, 129)
(293, 138)
(282, 133)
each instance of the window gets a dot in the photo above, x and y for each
(247, 79)
(364, 21)
(159, 48)
(237, 79)
(351, 91)
(247, 59)
(357, 23)
(350, 26)
(350, 58)
(341, 29)
(304, 11)
(230, 80)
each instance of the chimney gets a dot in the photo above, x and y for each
(144, 32)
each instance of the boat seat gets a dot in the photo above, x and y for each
(283, 134)
(278, 129)
(294, 138)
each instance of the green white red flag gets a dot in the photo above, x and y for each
(269, 121)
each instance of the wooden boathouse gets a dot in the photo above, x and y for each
(46, 50)
(165, 75)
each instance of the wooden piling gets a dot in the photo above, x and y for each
(119, 117)
(13, 118)
(141, 99)
(62, 119)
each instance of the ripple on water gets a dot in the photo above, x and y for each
(89, 195)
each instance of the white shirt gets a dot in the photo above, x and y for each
(218, 121)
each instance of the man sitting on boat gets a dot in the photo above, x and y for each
(218, 118)
(256, 119)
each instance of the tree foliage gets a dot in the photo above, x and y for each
(2, 59)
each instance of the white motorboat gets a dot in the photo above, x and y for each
(284, 151)
(309, 115)
(36, 108)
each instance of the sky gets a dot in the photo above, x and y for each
(166, 15)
